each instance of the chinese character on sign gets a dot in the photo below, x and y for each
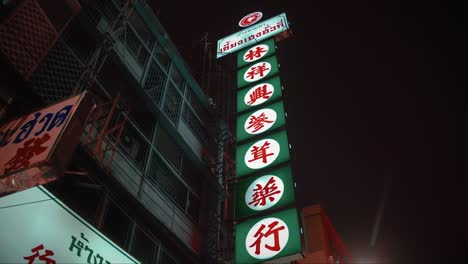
(267, 238)
(273, 229)
(257, 72)
(43, 257)
(260, 92)
(258, 122)
(25, 154)
(255, 53)
(261, 193)
(260, 152)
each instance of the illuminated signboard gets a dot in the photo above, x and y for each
(35, 149)
(265, 182)
(38, 228)
(260, 121)
(274, 238)
(252, 35)
(256, 52)
(266, 191)
(261, 154)
(259, 94)
(260, 70)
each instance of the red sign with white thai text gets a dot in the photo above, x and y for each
(29, 140)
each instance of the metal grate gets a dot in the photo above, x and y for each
(154, 83)
(162, 56)
(194, 123)
(134, 45)
(57, 74)
(160, 175)
(25, 37)
(177, 79)
(172, 104)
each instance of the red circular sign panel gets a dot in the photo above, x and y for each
(250, 19)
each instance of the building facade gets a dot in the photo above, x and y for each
(150, 172)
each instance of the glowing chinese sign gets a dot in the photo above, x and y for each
(276, 236)
(252, 35)
(261, 70)
(261, 154)
(261, 121)
(256, 52)
(56, 234)
(250, 19)
(264, 192)
(258, 94)
(267, 191)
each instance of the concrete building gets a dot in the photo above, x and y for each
(159, 190)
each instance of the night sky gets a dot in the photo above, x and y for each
(374, 105)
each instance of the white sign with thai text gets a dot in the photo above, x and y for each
(252, 35)
(38, 228)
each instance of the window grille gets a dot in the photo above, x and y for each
(160, 175)
(194, 123)
(154, 83)
(134, 45)
(57, 74)
(172, 104)
(162, 57)
(178, 79)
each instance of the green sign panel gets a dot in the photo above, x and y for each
(258, 70)
(265, 192)
(260, 121)
(274, 238)
(263, 153)
(255, 53)
(259, 94)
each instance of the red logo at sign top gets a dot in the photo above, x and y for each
(250, 19)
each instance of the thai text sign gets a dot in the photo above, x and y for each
(29, 140)
(274, 238)
(266, 191)
(256, 52)
(259, 94)
(261, 121)
(252, 35)
(261, 154)
(259, 70)
(38, 228)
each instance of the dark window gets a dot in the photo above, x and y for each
(177, 79)
(143, 248)
(169, 149)
(162, 57)
(193, 207)
(160, 175)
(191, 175)
(154, 83)
(134, 45)
(141, 29)
(116, 224)
(80, 194)
(172, 104)
(134, 145)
